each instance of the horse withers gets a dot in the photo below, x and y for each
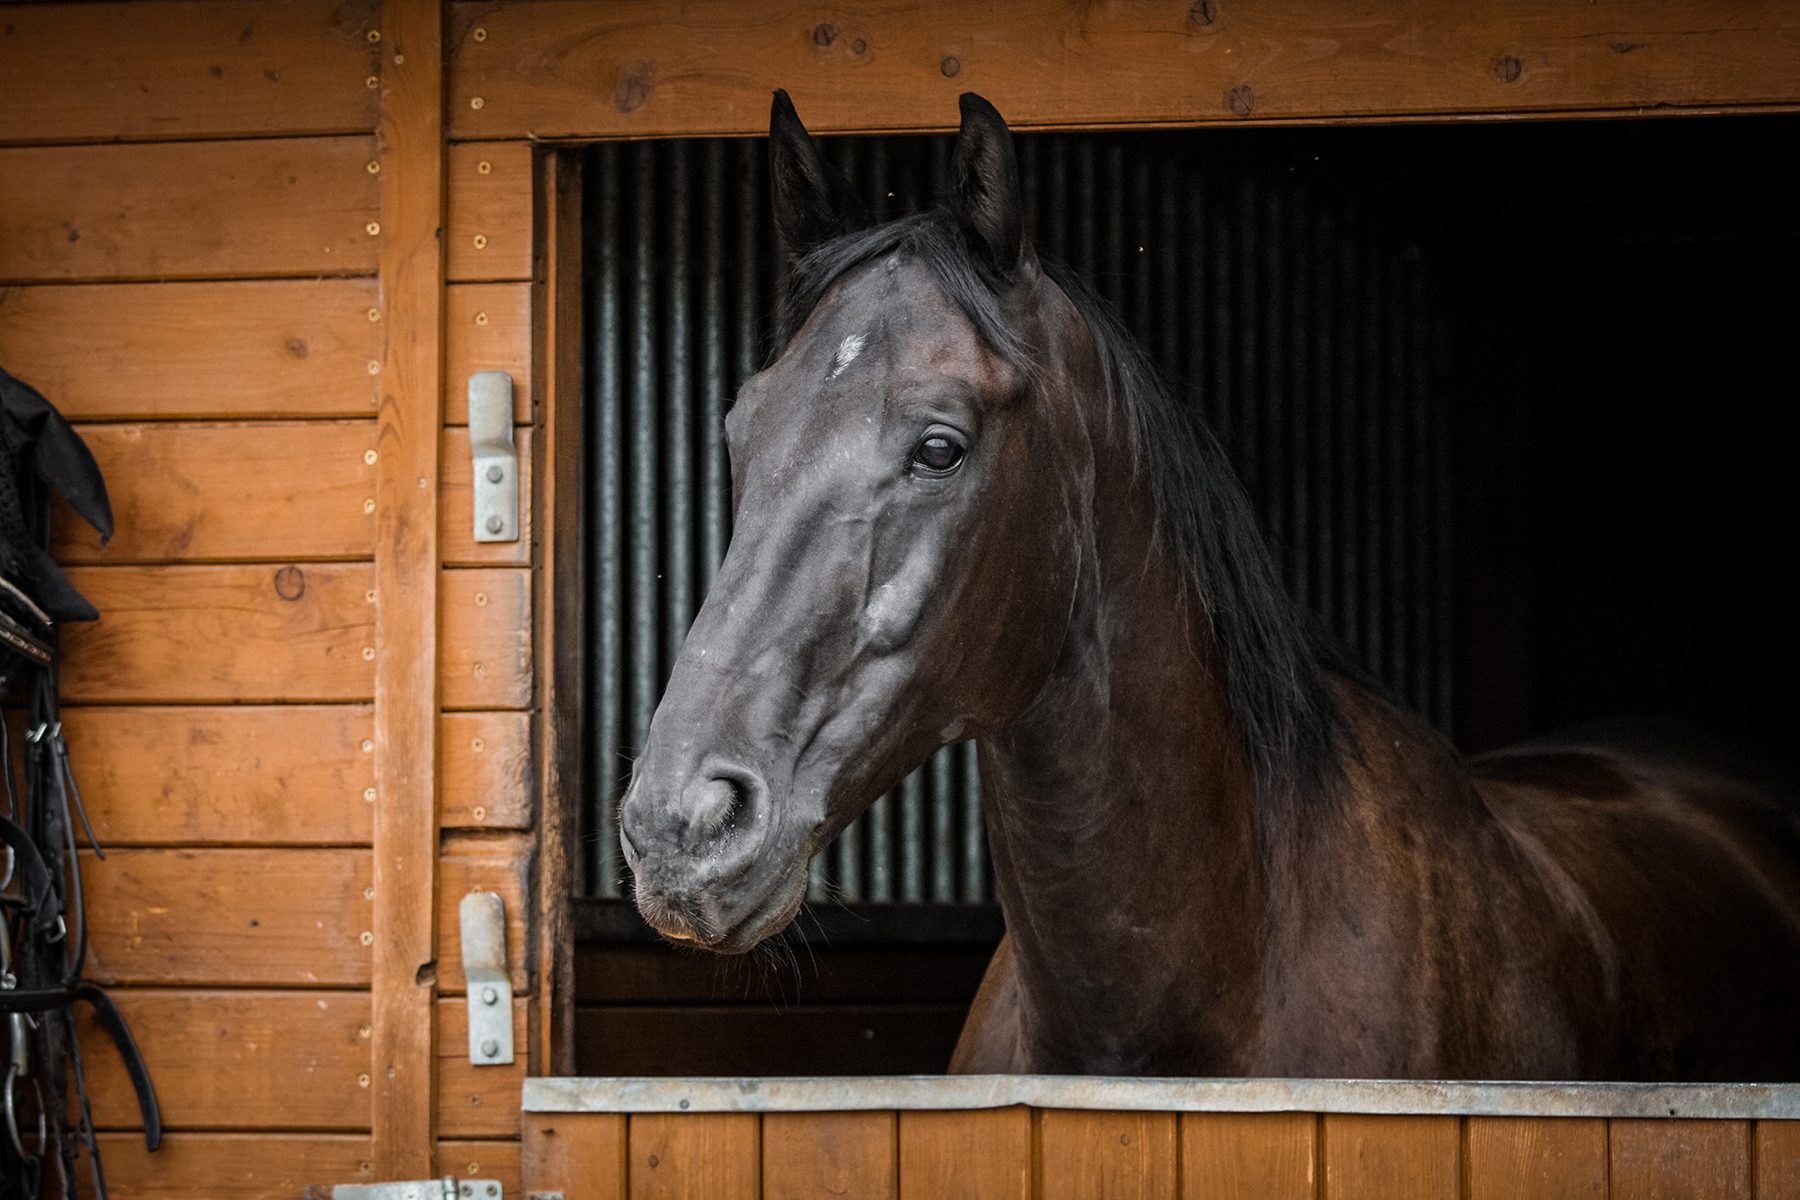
(966, 508)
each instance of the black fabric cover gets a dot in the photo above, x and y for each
(39, 450)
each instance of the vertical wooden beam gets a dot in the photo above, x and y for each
(411, 167)
(560, 637)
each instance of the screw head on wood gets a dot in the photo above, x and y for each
(490, 995)
(495, 524)
(496, 473)
(490, 1048)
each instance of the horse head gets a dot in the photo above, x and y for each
(910, 484)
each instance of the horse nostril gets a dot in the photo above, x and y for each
(717, 804)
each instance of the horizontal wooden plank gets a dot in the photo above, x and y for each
(245, 348)
(544, 68)
(202, 918)
(501, 865)
(270, 490)
(477, 1101)
(276, 774)
(186, 68)
(231, 1166)
(279, 206)
(241, 633)
(487, 327)
(484, 651)
(485, 770)
(494, 1159)
(456, 506)
(238, 1060)
(489, 220)
(891, 1039)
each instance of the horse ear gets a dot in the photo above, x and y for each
(812, 199)
(987, 202)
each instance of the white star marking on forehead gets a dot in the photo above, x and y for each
(846, 354)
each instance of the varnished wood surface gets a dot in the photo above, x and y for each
(246, 348)
(711, 1157)
(260, 917)
(1249, 1156)
(189, 210)
(477, 1101)
(185, 69)
(826, 1156)
(1083, 1155)
(238, 634)
(1555, 1158)
(487, 327)
(234, 1166)
(585, 1149)
(490, 231)
(544, 68)
(1680, 1160)
(484, 767)
(485, 657)
(272, 490)
(231, 774)
(405, 1047)
(476, 863)
(966, 1155)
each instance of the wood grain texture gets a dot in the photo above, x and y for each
(819, 1156)
(490, 232)
(496, 1159)
(238, 1060)
(1680, 1160)
(1552, 1158)
(456, 507)
(181, 68)
(477, 1101)
(232, 917)
(487, 327)
(1087, 1155)
(217, 633)
(1248, 1156)
(233, 1166)
(1391, 1158)
(966, 1155)
(484, 770)
(247, 348)
(406, 1049)
(1777, 1154)
(714, 1156)
(581, 1155)
(561, 600)
(240, 492)
(484, 659)
(473, 863)
(278, 206)
(280, 774)
(549, 69)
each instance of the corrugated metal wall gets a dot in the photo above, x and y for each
(1300, 326)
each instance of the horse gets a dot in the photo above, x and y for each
(966, 507)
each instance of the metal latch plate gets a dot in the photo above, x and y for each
(494, 456)
(484, 970)
(447, 1188)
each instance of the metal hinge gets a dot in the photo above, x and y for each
(447, 1188)
(484, 973)
(494, 456)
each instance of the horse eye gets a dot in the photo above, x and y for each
(938, 454)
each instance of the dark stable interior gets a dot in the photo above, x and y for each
(1610, 311)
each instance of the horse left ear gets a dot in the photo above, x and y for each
(813, 202)
(987, 201)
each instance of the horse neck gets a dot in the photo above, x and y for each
(1120, 814)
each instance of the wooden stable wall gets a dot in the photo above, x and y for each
(1059, 1154)
(255, 248)
(220, 255)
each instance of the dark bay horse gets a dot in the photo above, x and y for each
(966, 508)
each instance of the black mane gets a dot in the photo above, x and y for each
(1276, 686)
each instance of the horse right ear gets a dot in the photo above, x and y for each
(812, 199)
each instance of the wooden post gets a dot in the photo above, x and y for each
(404, 1023)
